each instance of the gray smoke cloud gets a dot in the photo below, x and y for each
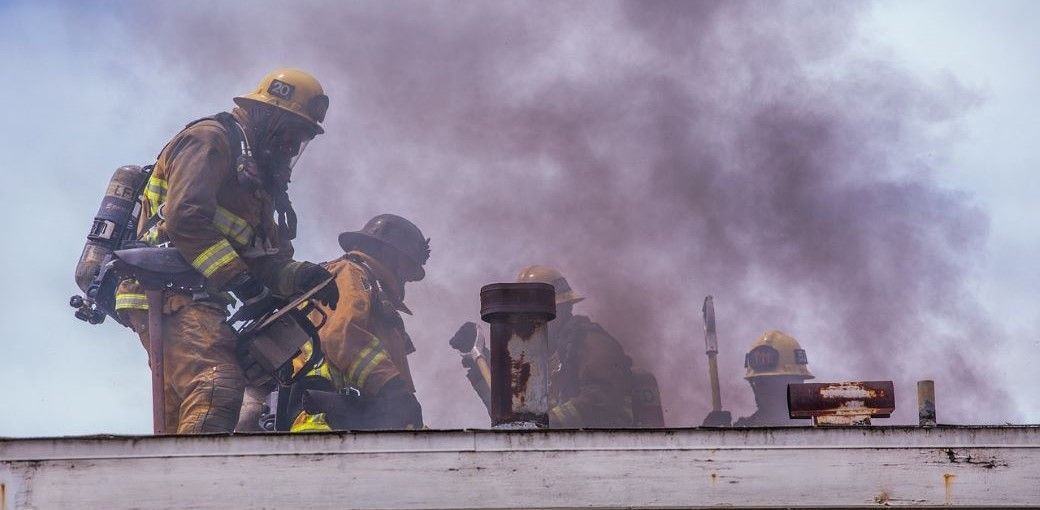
(656, 152)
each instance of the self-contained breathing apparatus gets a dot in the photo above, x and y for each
(114, 226)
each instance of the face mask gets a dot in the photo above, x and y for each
(284, 150)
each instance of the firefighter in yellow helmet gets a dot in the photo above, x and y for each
(214, 193)
(590, 376)
(592, 382)
(364, 381)
(774, 361)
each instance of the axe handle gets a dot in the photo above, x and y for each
(485, 370)
(477, 374)
(155, 358)
(713, 374)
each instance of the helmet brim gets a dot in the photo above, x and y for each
(806, 375)
(351, 241)
(249, 100)
(569, 298)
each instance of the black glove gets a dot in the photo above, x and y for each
(256, 298)
(717, 419)
(464, 338)
(395, 407)
(310, 275)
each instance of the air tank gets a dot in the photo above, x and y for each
(116, 220)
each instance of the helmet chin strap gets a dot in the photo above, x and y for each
(286, 214)
(278, 188)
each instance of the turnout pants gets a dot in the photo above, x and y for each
(203, 381)
(252, 409)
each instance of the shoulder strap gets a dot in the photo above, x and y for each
(580, 325)
(236, 137)
(228, 122)
(382, 305)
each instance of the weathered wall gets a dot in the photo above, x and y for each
(962, 466)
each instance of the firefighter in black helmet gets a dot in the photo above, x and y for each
(364, 381)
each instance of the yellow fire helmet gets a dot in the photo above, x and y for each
(776, 353)
(546, 274)
(294, 91)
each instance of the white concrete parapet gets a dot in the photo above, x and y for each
(784, 467)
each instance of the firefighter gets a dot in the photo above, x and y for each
(592, 383)
(590, 377)
(214, 192)
(364, 381)
(774, 361)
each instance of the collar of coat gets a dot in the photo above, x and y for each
(389, 282)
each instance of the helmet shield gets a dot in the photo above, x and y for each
(282, 143)
(299, 152)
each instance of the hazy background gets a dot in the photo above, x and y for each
(860, 176)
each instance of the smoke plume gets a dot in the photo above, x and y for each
(766, 153)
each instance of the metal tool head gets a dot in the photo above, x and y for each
(293, 305)
(267, 346)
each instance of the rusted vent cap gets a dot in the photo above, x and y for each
(499, 299)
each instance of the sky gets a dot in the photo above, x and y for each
(861, 176)
(990, 49)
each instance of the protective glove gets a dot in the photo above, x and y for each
(309, 275)
(256, 298)
(395, 407)
(717, 419)
(464, 338)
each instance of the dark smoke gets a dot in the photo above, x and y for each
(657, 152)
